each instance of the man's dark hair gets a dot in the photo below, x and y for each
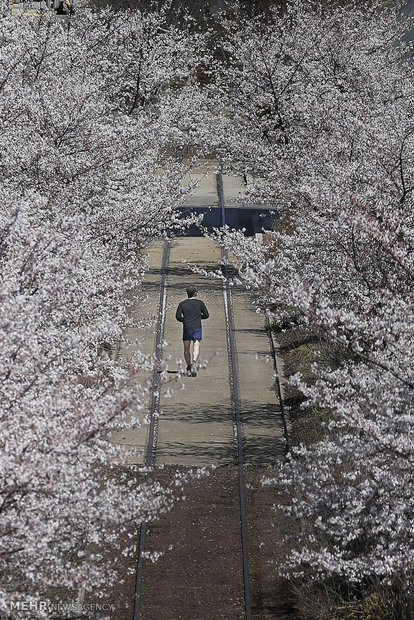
(191, 290)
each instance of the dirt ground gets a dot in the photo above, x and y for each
(199, 574)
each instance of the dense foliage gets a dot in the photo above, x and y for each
(318, 105)
(314, 102)
(85, 183)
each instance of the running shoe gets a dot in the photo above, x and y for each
(193, 369)
(189, 372)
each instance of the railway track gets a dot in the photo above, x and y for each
(153, 424)
(236, 419)
(235, 398)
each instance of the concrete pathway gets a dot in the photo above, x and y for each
(264, 441)
(195, 422)
(195, 426)
(202, 181)
(200, 576)
(142, 338)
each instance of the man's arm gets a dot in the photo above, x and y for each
(204, 311)
(179, 314)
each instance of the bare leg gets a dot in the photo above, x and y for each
(196, 350)
(187, 352)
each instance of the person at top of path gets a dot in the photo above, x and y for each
(190, 312)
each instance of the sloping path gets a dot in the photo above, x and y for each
(195, 425)
(199, 575)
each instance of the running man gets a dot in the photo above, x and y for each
(190, 312)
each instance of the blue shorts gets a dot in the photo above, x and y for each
(192, 334)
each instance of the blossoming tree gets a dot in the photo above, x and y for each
(85, 183)
(317, 103)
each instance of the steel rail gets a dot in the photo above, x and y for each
(235, 397)
(153, 426)
(278, 386)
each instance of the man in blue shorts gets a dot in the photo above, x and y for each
(190, 312)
